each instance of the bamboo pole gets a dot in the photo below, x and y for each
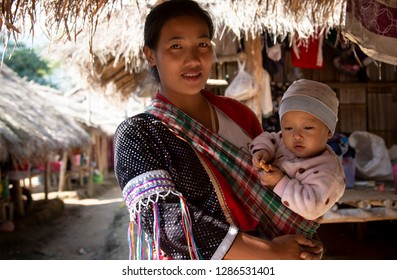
(62, 175)
(253, 50)
(104, 154)
(97, 147)
(19, 199)
(47, 179)
(90, 187)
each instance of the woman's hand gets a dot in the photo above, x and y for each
(308, 249)
(313, 252)
(286, 247)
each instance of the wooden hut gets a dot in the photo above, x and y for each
(31, 128)
(99, 118)
(32, 131)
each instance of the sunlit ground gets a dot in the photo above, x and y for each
(67, 196)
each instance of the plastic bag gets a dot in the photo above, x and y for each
(393, 153)
(243, 86)
(372, 157)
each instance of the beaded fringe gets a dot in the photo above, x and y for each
(138, 240)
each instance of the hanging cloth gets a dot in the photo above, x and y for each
(308, 53)
(372, 25)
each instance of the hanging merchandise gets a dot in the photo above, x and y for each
(272, 47)
(371, 24)
(308, 53)
(272, 55)
(266, 95)
(243, 86)
(353, 61)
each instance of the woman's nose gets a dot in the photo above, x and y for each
(192, 57)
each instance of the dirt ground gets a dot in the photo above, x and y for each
(72, 227)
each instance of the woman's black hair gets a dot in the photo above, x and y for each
(165, 11)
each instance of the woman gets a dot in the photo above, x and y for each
(183, 165)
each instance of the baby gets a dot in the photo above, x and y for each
(298, 164)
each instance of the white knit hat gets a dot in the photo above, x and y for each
(314, 98)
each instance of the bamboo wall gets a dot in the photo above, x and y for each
(368, 106)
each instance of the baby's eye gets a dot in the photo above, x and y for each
(287, 128)
(308, 127)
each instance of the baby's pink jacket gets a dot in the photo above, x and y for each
(311, 186)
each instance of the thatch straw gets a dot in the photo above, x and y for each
(67, 18)
(112, 59)
(31, 129)
(97, 115)
(107, 35)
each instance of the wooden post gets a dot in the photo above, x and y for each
(20, 208)
(97, 151)
(47, 179)
(90, 190)
(62, 175)
(253, 49)
(29, 176)
(104, 156)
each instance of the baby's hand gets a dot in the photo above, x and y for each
(260, 157)
(264, 166)
(272, 177)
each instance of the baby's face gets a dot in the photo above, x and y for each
(303, 134)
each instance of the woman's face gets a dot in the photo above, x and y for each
(303, 134)
(183, 56)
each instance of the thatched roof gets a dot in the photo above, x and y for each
(91, 110)
(31, 129)
(68, 18)
(108, 34)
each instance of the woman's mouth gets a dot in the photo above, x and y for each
(191, 76)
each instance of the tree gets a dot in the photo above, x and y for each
(27, 63)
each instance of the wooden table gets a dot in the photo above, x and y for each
(373, 202)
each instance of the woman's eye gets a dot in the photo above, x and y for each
(176, 46)
(203, 45)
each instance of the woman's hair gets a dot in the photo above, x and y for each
(165, 11)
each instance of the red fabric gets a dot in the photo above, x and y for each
(234, 109)
(308, 55)
(54, 166)
(240, 215)
(239, 113)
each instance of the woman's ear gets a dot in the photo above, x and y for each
(149, 55)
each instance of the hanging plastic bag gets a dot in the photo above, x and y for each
(243, 86)
(372, 157)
